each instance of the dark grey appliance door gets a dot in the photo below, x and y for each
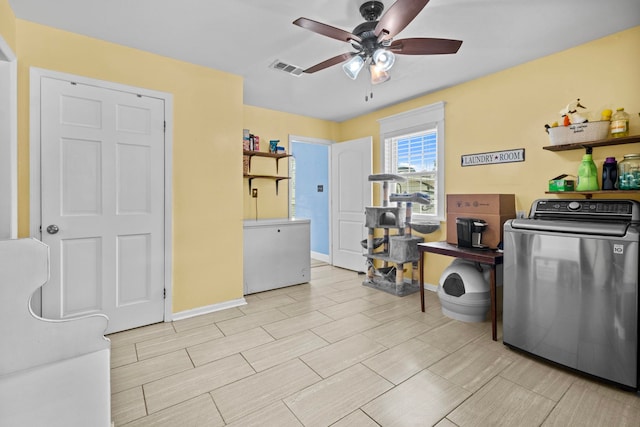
(573, 299)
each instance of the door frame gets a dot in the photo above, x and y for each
(9, 139)
(329, 144)
(35, 210)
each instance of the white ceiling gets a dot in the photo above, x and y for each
(244, 37)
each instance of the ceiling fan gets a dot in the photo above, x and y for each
(373, 39)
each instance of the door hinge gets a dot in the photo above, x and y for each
(164, 293)
(165, 126)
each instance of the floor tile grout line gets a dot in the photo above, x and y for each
(144, 397)
(170, 351)
(212, 390)
(193, 364)
(155, 379)
(393, 386)
(215, 404)
(471, 394)
(290, 409)
(314, 371)
(432, 326)
(527, 388)
(268, 333)
(168, 407)
(256, 373)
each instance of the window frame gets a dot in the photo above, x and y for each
(422, 119)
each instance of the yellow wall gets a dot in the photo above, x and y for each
(8, 24)
(508, 110)
(502, 111)
(207, 179)
(269, 124)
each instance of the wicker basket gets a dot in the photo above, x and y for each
(581, 132)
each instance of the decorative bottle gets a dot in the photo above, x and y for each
(587, 173)
(610, 174)
(619, 124)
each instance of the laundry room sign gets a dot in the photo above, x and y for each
(507, 156)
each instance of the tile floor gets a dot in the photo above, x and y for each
(334, 352)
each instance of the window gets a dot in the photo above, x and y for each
(414, 157)
(413, 147)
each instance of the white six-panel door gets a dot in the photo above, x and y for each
(102, 173)
(350, 194)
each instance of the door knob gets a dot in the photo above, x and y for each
(52, 229)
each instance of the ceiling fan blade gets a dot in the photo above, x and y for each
(330, 62)
(399, 15)
(326, 30)
(424, 46)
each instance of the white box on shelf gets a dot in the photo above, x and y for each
(580, 132)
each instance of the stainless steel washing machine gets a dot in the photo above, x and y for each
(571, 286)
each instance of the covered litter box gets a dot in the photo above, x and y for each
(464, 291)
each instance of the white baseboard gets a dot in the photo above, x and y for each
(208, 309)
(430, 287)
(320, 257)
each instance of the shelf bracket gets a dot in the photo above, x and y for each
(277, 182)
(250, 179)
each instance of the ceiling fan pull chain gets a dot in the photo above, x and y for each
(368, 93)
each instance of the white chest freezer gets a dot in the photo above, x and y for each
(277, 253)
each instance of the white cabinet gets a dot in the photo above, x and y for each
(52, 372)
(277, 253)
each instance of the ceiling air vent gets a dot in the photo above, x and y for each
(287, 68)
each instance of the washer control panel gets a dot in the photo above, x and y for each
(628, 210)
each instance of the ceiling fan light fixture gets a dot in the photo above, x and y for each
(353, 66)
(377, 75)
(383, 59)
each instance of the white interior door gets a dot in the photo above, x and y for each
(102, 201)
(350, 194)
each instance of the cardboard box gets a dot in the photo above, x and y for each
(559, 183)
(494, 209)
(471, 204)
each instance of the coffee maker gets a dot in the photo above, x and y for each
(470, 232)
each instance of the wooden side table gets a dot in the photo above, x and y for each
(488, 257)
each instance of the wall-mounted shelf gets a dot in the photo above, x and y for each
(277, 179)
(598, 143)
(251, 176)
(251, 154)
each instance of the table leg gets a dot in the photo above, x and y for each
(494, 303)
(421, 281)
